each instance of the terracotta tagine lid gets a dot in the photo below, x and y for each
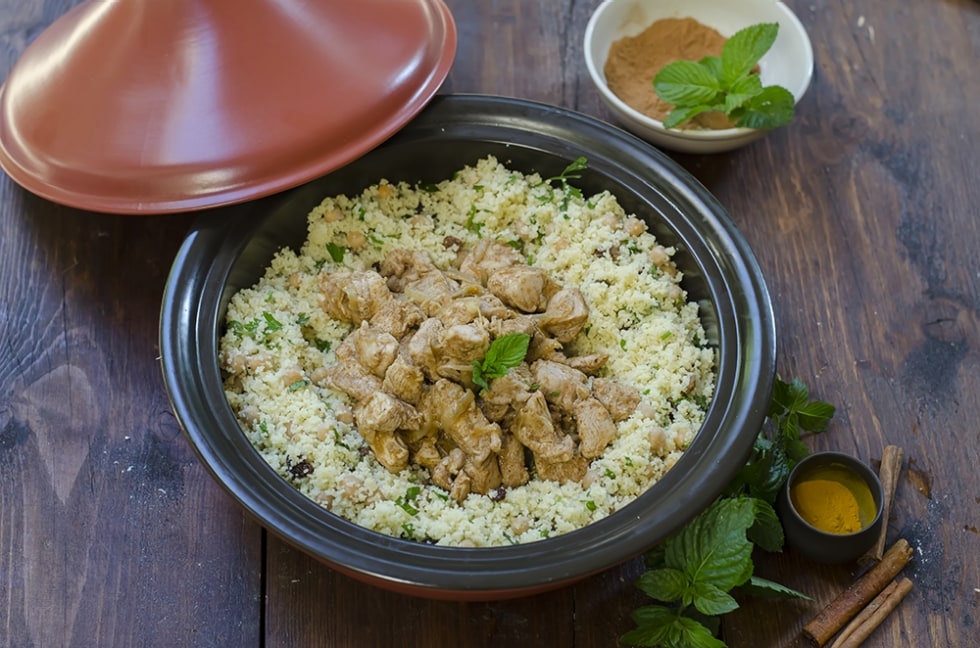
(166, 106)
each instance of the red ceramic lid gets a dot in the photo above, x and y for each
(167, 106)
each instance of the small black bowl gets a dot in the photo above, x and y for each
(823, 545)
(228, 249)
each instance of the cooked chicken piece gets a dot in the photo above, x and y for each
(425, 453)
(452, 409)
(484, 475)
(398, 317)
(461, 487)
(461, 310)
(390, 450)
(621, 400)
(448, 467)
(404, 380)
(513, 471)
(562, 472)
(375, 349)
(423, 347)
(381, 412)
(561, 385)
(595, 426)
(587, 364)
(352, 379)
(378, 418)
(491, 307)
(500, 326)
(543, 347)
(507, 392)
(534, 428)
(463, 343)
(522, 287)
(413, 274)
(402, 267)
(353, 296)
(565, 315)
(487, 257)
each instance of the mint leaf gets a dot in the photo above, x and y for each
(336, 252)
(665, 584)
(712, 600)
(687, 83)
(742, 51)
(654, 623)
(772, 107)
(505, 352)
(764, 588)
(713, 548)
(680, 115)
(767, 531)
(728, 84)
(661, 626)
(742, 91)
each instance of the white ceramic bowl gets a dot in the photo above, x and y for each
(789, 63)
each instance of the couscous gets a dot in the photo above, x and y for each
(309, 363)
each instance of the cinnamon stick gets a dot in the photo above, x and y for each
(849, 602)
(871, 616)
(888, 473)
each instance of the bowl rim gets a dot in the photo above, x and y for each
(190, 323)
(849, 462)
(719, 135)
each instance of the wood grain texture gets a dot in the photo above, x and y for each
(863, 214)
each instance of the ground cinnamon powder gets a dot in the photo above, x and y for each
(633, 61)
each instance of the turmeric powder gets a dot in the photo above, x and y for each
(828, 505)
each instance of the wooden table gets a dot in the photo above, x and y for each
(863, 214)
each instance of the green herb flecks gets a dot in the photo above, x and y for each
(570, 172)
(727, 84)
(336, 252)
(505, 352)
(406, 501)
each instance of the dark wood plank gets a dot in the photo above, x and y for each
(107, 518)
(111, 532)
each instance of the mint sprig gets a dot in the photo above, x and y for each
(727, 84)
(504, 353)
(694, 572)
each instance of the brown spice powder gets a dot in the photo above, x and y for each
(634, 61)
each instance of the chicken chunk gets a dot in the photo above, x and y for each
(453, 410)
(487, 257)
(621, 400)
(533, 427)
(404, 380)
(375, 350)
(378, 418)
(595, 427)
(513, 471)
(353, 296)
(563, 471)
(522, 287)
(561, 385)
(507, 392)
(565, 315)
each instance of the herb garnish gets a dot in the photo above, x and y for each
(693, 572)
(336, 252)
(407, 500)
(727, 84)
(505, 352)
(570, 172)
